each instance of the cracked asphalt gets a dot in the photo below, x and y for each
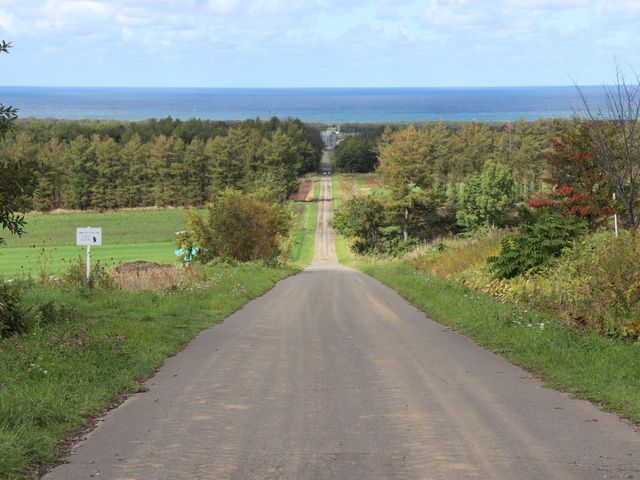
(332, 375)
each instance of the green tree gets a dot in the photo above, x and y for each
(196, 174)
(138, 177)
(234, 156)
(107, 189)
(17, 182)
(242, 227)
(81, 161)
(356, 154)
(407, 159)
(15, 179)
(8, 114)
(281, 164)
(470, 147)
(487, 198)
(166, 169)
(52, 176)
(308, 144)
(360, 219)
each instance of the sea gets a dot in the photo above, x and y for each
(322, 105)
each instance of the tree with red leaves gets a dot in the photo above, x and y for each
(579, 186)
(614, 132)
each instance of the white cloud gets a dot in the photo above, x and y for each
(546, 4)
(7, 21)
(383, 33)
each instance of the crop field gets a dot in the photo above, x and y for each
(48, 244)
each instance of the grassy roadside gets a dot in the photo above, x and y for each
(55, 377)
(316, 188)
(587, 366)
(305, 234)
(342, 249)
(102, 343)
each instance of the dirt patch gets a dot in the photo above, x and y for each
(141, 265)
(141, 275)
(304, 193)
(373, 182)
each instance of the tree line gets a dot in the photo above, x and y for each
(105, 165)
(452, 152)
(444, 179)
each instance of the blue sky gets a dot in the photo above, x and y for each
(317, 43)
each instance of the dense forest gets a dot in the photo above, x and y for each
(452, 152)
(443, 179)
(108, 164)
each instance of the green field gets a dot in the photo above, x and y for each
(48, 244)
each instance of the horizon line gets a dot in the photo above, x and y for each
(301, 88)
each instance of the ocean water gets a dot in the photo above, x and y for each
(328, 105)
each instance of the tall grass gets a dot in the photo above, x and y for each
(449, 256)
(595, 284)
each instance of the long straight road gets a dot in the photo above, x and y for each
(331, 375)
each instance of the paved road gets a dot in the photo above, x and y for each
(333, 376)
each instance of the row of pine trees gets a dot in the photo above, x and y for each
(101, 171)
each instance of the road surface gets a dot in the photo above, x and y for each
(331, 375)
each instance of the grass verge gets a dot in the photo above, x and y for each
(305, 234)
(342, 249)
(54, 378)
(587, 366)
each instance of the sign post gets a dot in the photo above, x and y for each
(615, 217)
(86, 237)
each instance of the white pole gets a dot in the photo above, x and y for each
(615, 217)
(88, 261)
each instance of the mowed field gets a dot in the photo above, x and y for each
(48, 245)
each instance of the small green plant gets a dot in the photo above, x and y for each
(13, 314)
(542, 238)
(75, 276)
(44, 265)
(50, 312)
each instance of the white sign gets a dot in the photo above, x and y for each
(89, 236)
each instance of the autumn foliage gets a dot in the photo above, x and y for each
(578, 186)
